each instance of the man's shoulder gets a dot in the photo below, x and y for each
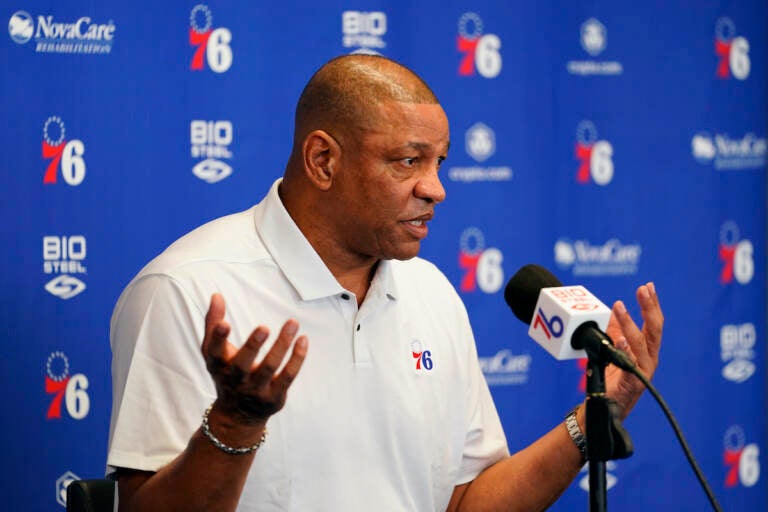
(422, 274)
(231, 239)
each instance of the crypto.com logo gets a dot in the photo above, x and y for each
(482, 266)
(481, 52)
(593, 37)
(733, 51)
(595, 155)
(66, 388)
(65, 156)
(480, 142)
(212, 44)
(736, 255)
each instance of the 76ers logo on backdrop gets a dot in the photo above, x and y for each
(422, 357)
(212, 44)
(70, 389)
(736, 255)
(742, 460)
(63, 154)
(732, 50)
(481, 52)
(482, 266)
(596, 156)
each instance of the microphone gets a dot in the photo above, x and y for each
(567, 321)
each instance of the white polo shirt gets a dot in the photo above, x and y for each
(389, 412)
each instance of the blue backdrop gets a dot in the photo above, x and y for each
(614, 144)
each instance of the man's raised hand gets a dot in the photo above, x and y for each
(250, 393)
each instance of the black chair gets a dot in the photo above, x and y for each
(91, 496)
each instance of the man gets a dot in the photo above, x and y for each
(334, 245)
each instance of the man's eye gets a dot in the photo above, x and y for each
(440, 161)
(409, 161)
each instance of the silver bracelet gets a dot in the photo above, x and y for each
(577, 436)
(206, 428)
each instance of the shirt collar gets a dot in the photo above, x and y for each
(299, 261)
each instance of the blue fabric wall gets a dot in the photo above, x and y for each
(612, 142)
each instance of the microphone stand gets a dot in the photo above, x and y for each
(606, 437)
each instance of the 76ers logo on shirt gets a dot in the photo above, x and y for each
(741, 460)
(212, 44)
(736, 255)
(481, 52)
(733, 51)
(482, 266)
(70, 389)
(596, 156)
(63, 154)
(422, 358)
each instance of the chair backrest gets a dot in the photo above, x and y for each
(91, 496)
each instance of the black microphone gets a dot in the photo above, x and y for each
(564, 320)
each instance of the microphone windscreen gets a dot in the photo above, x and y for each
(522, 291)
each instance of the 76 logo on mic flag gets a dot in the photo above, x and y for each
(559, 312)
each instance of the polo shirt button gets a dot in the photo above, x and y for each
(345, 296)
(358, 327)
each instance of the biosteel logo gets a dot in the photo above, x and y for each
(211, 140)
(81, 36)
(364, 31)
(62, 257)
(737, 351)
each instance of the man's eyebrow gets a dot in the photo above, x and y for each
(423, 145)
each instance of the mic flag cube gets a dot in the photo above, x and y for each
(559, 312)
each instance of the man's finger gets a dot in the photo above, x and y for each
(293, 365)
(244, 357)
(631, 332)
(215, 347)
(271, 362)
(653, 318)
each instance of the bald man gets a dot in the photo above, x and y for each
(388, 410)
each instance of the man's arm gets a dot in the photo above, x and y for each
(203, 477)
(533, 478)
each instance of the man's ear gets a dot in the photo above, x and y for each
(321, 154)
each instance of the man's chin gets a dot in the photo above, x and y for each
(405, 252)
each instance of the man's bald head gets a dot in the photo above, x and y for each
(343, 94)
